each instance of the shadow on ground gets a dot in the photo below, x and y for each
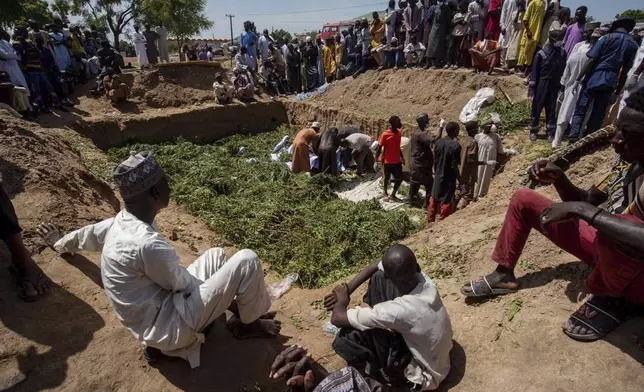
(48, 323)
(227, 364)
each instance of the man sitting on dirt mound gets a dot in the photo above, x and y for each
(166, 306)
(404, 337)
(611, 244)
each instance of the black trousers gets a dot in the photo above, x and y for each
(8, 220)
(328, 161)
(396, 171)
(380, 354)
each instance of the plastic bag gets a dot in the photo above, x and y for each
(276, 290)
(330, 329)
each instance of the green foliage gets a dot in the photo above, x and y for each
(18, 12)
(633, 14)
(513, 116)
(115, 14)
(281, 36)
(514, 308)
(182, 18)
(294, 222)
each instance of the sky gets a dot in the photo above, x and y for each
(298, 16)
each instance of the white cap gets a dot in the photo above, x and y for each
(316, 124)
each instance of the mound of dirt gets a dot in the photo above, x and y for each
(43, 174)
(409, 92)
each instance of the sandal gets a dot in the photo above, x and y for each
(481, 288)
(599, 315)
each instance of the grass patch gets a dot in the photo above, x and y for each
(514, 308)
(294, 222)
(513, 116)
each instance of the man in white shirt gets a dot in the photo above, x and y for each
(164, 305)
(360, 144)
(405, 336)
(263, 42)
(414, 52)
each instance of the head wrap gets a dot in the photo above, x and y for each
(138, 173)
(309, 39)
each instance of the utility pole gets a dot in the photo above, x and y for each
(231, 27)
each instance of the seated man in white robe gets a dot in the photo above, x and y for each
(164, 305)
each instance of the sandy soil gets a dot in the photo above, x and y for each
(71, 340)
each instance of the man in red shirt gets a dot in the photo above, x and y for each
(392, 157)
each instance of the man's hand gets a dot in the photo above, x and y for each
(528, 33)
(491, 163)
(576, 88)
(341, 293)
(560, 212)
(50, 233)
(294, 362)
(329, 301)
(545, 172)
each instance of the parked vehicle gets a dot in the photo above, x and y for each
(331, 29)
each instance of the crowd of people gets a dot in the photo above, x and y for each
(41, 66)
(151, 46)
(538, 39)
(402, 336)
(454, 171)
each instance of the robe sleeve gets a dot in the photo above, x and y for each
(8, 54)
(162, 265)
(90, 238)
(567, 73)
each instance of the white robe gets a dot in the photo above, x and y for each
(508, 13)
(139, 47)
(9, 64)
(390, 24)
(163, 304)
(640, 84)
(163, 44)
(490, 146)
(574, 67)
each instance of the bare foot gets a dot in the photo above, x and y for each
(50, 233)
(259, 329)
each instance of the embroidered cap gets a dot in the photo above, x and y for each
(138, 173)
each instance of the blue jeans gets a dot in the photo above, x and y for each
(600, 101)
(41, 88)
(394, 59)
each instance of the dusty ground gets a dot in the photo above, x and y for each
(71, 340)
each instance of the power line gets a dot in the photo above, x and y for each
(317, 10)
(230, 16)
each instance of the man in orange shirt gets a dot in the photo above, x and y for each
(392, 156)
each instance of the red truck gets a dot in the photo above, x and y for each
(331, 29)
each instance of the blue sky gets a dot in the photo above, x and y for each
(282, 16)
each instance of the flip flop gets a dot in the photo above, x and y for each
(601, 315)
(481, 288)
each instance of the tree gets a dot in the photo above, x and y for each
(590, 19)
(18, 12)
(281, 36)
(633, 14)
(181, 18)
(115, 14)
(63, 8)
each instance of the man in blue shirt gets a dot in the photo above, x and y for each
(248, 40)
(545, 83)
(613, 53)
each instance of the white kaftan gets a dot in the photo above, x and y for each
(262, 43)
(640, 83)
(508, 14)
(163, 304)
(490, 146)
(139, 46)
(423, 322)
(9, 64)
(574, 67)
(163, 44)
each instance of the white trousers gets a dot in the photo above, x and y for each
(240, 278)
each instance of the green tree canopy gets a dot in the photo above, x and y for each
(281, 36)
(114, 14)
(182, 18)
(634, 14)
(18, 12)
